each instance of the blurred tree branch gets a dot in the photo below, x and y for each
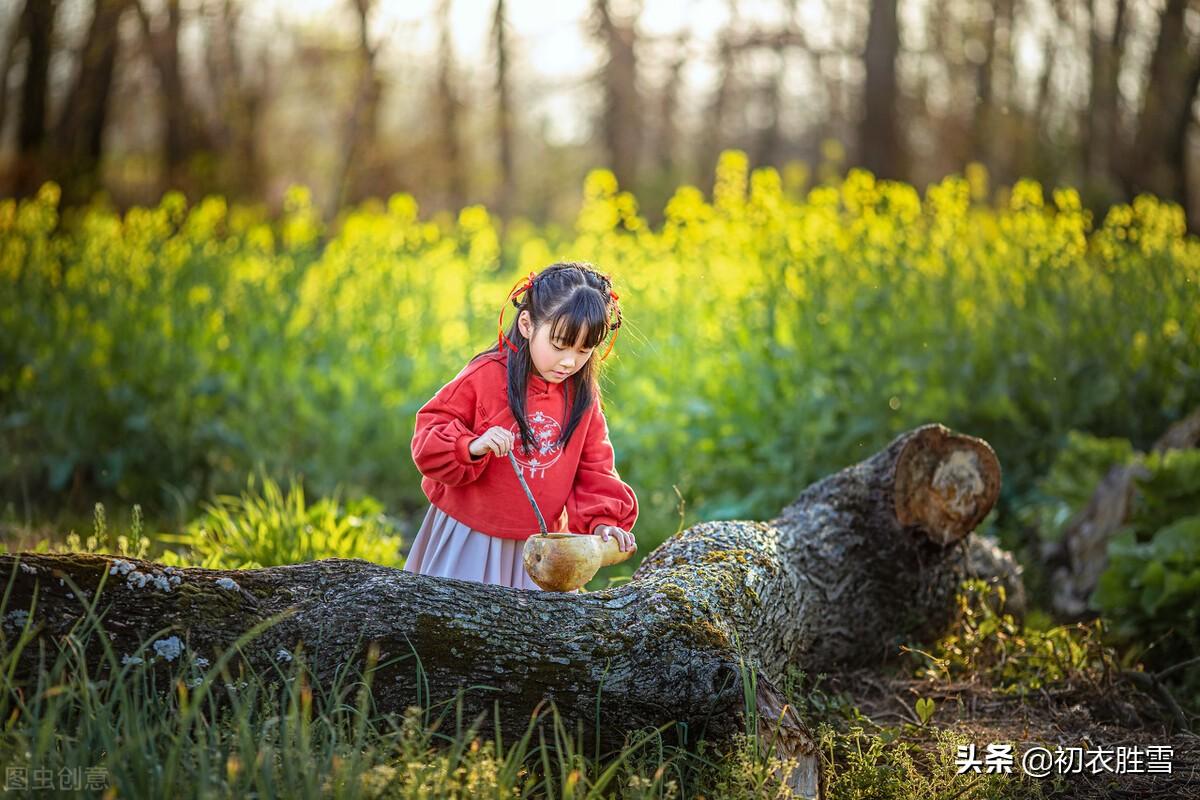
(621, 120)
(37, 25)
(502, 53)
(183, 137)
(238, 98)
(359, 132)
(79, 134)
(1157, 161)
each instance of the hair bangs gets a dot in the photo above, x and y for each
(581, 312)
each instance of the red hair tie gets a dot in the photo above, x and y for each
(516, 290)
(615, 297)
(524, 285)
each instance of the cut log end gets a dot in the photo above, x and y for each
(945, 483)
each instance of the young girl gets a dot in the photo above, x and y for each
(535, 394)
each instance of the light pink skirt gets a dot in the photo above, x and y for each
(447, 548)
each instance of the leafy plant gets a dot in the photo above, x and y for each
(241, 337)
(862, 765)
(1016, 658)
(1150, 588)
(925, 708)
(266, 528)
(1073, 475)
(1166, 492)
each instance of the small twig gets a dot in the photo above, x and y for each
(907, 710)
(1148, 681)
(966, 788)
(1164, 673)
(521, 477)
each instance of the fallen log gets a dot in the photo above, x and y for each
(861, 561)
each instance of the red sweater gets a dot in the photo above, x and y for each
(577, 487)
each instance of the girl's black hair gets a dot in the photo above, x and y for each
(571, 296)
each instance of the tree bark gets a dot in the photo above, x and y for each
(505, 116)
(983, 122)
(716, 116)
(1102, 120)
(622, 116)
(360, 131)
(38, 26)
(770, 137)
(449, 109)
(1156, 161)
(237, 99)
(15, 34)
(183, 136)
(861, 561)
(667, 129)
(881, 149)
(80, 131)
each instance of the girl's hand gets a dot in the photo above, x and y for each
(624, 538)
(495, 439)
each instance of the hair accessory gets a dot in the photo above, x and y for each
(615, 328)
(525, 285)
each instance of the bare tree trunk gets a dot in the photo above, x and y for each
(950, 130)
(1178, 149)
(449, 108)
(1041, 104)
(504, 110)
(1101, 141)
(80, 131)
(359, 136)
(1120, 36)
(32, 143)
(666, 140)
(622, 121)
(866, 559)
(1034, 124)
(722, 99)
(238, 101)
(1156, 161)
(983, 123)
(881, 149)
(770, 138)
(16, 34)
(182, 136)
(1005, 162)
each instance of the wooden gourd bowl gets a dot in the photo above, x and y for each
(563, 562)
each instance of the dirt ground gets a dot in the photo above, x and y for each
(1087, 716)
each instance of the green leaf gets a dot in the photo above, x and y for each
(60, 470)
(925, 708)
(1152, 579)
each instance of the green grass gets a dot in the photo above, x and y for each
(190, 729)
(186, 728)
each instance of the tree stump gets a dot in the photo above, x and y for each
(861, 561)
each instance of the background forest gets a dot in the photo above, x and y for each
(241, 243)
(509, 103)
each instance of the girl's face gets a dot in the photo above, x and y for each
(554, 359)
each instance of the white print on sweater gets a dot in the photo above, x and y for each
(546, 450)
